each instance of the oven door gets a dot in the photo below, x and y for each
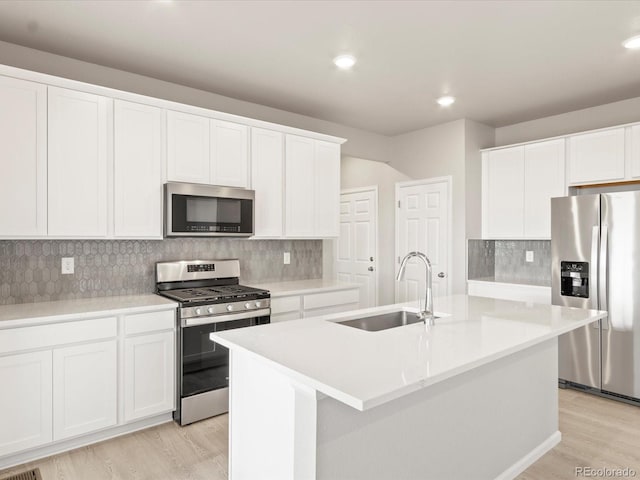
(202, 210)
(205, 364)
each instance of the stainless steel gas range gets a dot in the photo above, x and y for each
(211, 300)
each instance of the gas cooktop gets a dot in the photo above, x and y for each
(217, 294)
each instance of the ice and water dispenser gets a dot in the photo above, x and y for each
(574, 279)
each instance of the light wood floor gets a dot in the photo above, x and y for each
(595, 432)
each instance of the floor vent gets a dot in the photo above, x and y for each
(30, 475)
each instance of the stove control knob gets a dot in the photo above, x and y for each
(198, 311)
(210, 309)
(247, 305)
(229, 308)
(258, 304)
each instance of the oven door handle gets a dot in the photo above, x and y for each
(192, 322)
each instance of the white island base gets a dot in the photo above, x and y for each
(489, 422)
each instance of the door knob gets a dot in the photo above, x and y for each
(370, 269)
(371, 259)
(441, 275)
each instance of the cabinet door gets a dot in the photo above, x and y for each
(25, 401)
(327, 189)
(596, 157)
(149, 375)
(267, 179)
(85, 388)
(23, 150)
(229, 154)
(78, 131)
(543, 180)
(138, 170)
(299, 186)
(502, 193)
(635, 151)
(187, 148)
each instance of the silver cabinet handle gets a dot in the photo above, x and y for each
(441, 275)
(370, 269)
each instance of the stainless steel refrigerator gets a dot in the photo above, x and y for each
(595, 250)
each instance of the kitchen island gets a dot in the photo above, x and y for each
(472, 397)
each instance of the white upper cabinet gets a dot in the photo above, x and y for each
(312, 187)
(188, 157)
(502, 189)
(267, 174)
(300, 186)
(543, 180)
(518, 184)
(229, 154)
(23, 154)
(635, 151)
(138, 170)
(78, 163)
(327, 189)
(88, 162)
(597, 157)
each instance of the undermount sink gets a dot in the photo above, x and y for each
(383, 321)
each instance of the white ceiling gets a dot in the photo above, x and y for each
(505, 61)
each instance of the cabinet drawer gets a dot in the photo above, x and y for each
(519, 293)
(285, 304)
(149, 322)
(283, 317)
(347, 307)
(42, 336)
(329, 299)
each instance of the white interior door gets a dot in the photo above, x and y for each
(423, 225)
(356, 252)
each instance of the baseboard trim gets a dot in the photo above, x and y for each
(71, 444)
(530, 458)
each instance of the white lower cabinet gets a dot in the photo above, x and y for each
(149, 375)
(87, 377)
(295, 307)
(85, 389)
(510, 291)
(25, 401)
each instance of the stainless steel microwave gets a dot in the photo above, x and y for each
(193, 210)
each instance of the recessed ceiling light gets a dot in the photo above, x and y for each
(446, 101)
(345, 62)
(632, 43)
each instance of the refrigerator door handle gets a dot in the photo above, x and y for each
(603, 268)
(595, 235)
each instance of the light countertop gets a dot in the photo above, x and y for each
(303, 287)
(64, 310)
(365, 369)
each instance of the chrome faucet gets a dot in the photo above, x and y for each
(427, 314)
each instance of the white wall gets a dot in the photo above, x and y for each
(435, 152)
(477, 136)
(360, 143)
(357, 172)
(625, 111)
(450, 149)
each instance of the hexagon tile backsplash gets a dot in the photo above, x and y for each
(30, 269)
